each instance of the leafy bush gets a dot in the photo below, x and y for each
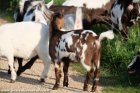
(117, 54)
(8, 5)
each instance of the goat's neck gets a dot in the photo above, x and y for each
(53, 30)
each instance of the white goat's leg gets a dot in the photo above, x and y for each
(44, 55)
(12, 69)
(45, 70)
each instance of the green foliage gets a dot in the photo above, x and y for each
(8, 5)
(57, 2)
(117, 54)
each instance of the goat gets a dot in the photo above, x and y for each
(122, 13)
(26, 40)
(134, 66)
(91, 4)
(22, 9)
(77, 45)
(27, 12)
(32, 15)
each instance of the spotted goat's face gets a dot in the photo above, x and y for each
(134, 66)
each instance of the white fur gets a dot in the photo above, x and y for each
(82, 57)
(136, 1)
(34, 3)
(108, 34)
(90, 3)
(50, 4)
(25, 40)
(70, 40)
(28, 17)
(21, 5)
(132, 62)
(93, 33)
(69, 21)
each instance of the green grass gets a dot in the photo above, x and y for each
(57, 2)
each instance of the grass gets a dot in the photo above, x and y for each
(116, 55)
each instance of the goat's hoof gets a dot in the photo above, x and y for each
(18, 73)
(93, 89)
(42, 80)
(55, 87)
(9, 72)
(85, 88)
(65, 84)
(12, 81)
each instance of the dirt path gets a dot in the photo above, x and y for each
(29, 80)
(2, 21)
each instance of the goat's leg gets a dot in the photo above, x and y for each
(28, 65)
(57, 75)
(87, 80)
(9, 72)
(65, 71)
(124, 33)
(96, 80)
(13, 72)
(20, 60)
(45, 71)
(96, 66)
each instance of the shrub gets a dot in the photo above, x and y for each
(8, 5)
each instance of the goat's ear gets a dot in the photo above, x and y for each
(84, 5)
(62, 12)
(51, 18)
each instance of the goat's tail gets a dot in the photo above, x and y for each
(78, 19)
(108, 34)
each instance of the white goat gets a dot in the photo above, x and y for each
(25, 40)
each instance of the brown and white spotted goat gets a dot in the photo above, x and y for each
(75, 46)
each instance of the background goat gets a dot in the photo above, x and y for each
(134, 66)
(122, 13)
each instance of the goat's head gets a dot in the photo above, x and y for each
(58, 20)
(134, 66)
(42, 13)
(24, 5)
